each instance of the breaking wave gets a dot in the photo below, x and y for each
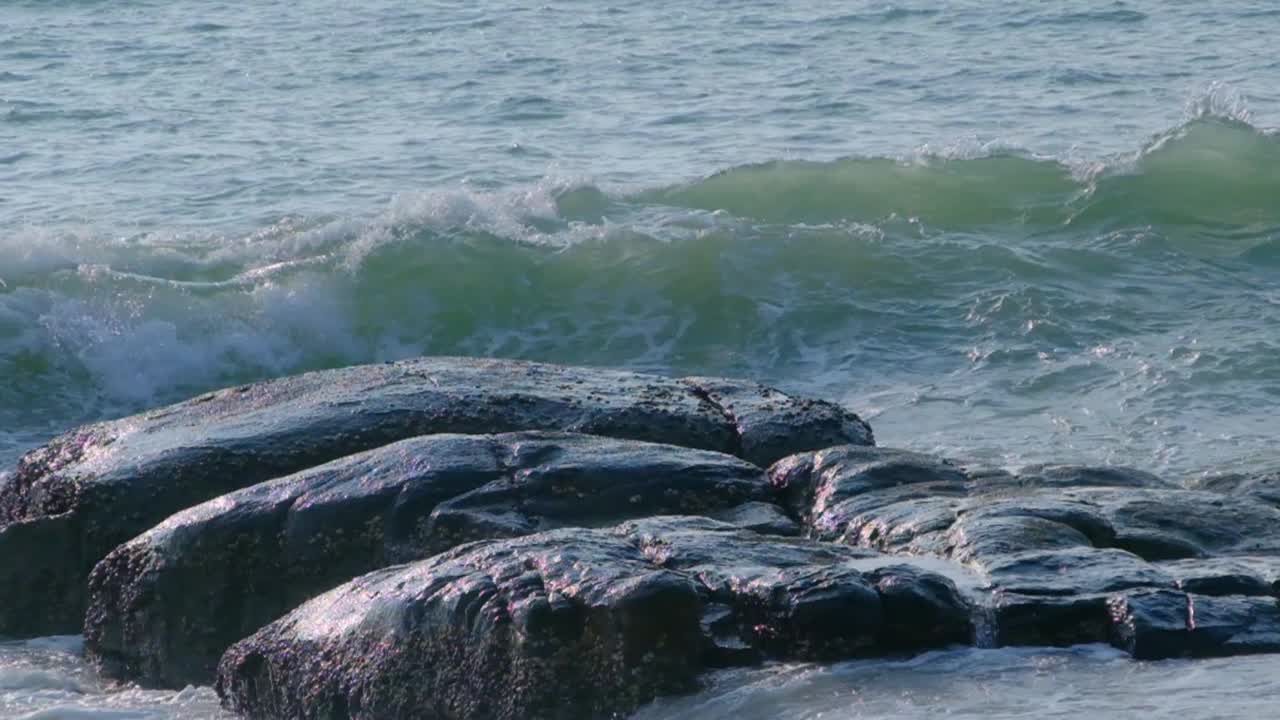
(859, 278)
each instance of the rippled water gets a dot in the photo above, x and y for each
(1019, 232)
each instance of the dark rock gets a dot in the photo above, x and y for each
(1078, 476)
(1162, 624)
(578, 623)
(1071, 554)
(1074, 571)
(1054, 620)
(795, 598)
(1263, 486)
(106, 483)
(767, 422)
(30, 577)
(818, 483)
(166, 605)
(762, 517)
(1242, 575)
(1187, 523)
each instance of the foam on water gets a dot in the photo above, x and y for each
(45, 679)
(1010, 233)
(1092, 317)
(1005, 684)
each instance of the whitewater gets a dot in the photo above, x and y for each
(1014, 233)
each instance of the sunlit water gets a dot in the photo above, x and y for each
(46, 680)
(1017, 232)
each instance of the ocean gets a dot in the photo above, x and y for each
(1011, 232)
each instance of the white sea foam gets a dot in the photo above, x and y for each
(45, 679)
(1005, 684)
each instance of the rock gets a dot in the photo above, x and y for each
(1160, 624)
(1070, 554)
(97, 487)
(1077, 476)
(1241, 575)
(494, 629)
(166, 605)
(762, 517)
(1075, 571)
(33, 574)
(768, 421)
(1263, 486)
(1054, 620)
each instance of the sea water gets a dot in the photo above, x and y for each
(1013, 232)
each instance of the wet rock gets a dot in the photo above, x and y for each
(762, 517)
(1262, 486)
(166, 605)
(99, 486)
(1053, 620)
(1078, 476)
(1241, 575)
(1074, 571)
(495, 629)
(767, 421)
(28, 578)
(1070, 554)
(1162, 624)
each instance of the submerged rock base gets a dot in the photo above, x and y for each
(459, 538)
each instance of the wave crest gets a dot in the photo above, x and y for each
(1213, 171)
(998, 277)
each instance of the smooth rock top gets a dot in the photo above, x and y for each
(72, 501)
(580, 623)
(164, 606)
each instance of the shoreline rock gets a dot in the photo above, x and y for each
(97, 487)
(575, 542)
(1070, 554)
(581, 623)
(166, 605)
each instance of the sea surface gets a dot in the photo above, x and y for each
(1014, 232)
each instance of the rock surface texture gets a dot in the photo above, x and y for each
(166, 605)
(461, 539)
(71, 502)
(581, 623)
(1069, 554)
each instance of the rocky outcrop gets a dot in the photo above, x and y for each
(580, 623)
(1069, 554)
(457, 538)
(164, 606)
(1262, 486)
(71, 502)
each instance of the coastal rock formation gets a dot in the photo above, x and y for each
(1070, 554)
(71, 502)
(581, 623)
(166, 605)
(1263, 486)
(464, 539)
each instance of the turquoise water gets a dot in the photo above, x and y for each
(1018, 232)
(1024, 234)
